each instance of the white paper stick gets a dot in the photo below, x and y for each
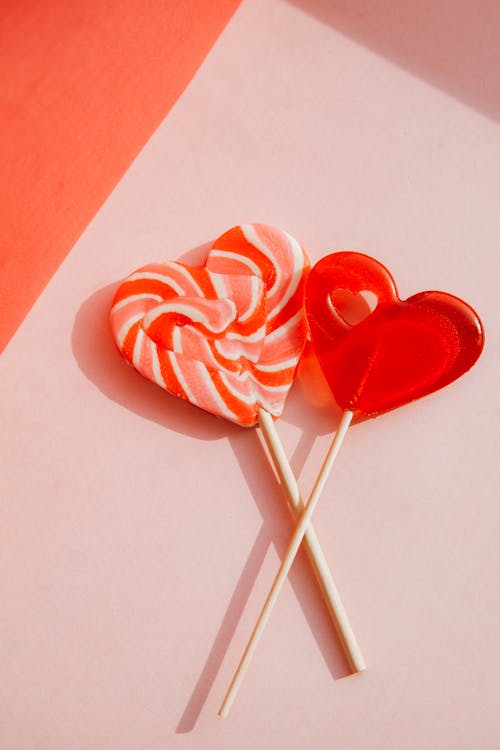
(313, 548)
(285, 566)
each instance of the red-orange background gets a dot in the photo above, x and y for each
(83, 86)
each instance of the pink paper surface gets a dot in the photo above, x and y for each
(140, 535)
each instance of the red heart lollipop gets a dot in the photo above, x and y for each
(402, 350)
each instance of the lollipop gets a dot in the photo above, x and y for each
(401, 351)
(227, 338)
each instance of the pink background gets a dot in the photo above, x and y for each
(139, 535)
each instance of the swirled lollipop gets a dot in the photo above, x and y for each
(227, 338)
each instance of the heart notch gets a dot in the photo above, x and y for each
(352, 307)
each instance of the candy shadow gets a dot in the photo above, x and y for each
(311, 408)
(99, 360)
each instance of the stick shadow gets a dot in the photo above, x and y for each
(276, 529)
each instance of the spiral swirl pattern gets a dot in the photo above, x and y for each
(226, 337)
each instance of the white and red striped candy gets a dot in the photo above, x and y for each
(226, 337)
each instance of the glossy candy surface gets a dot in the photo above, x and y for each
(226, 337)
(401, 350)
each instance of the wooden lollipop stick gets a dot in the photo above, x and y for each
(312, 545)
(285, 566)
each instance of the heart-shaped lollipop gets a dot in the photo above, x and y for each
(226, 337)
(402, 350)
